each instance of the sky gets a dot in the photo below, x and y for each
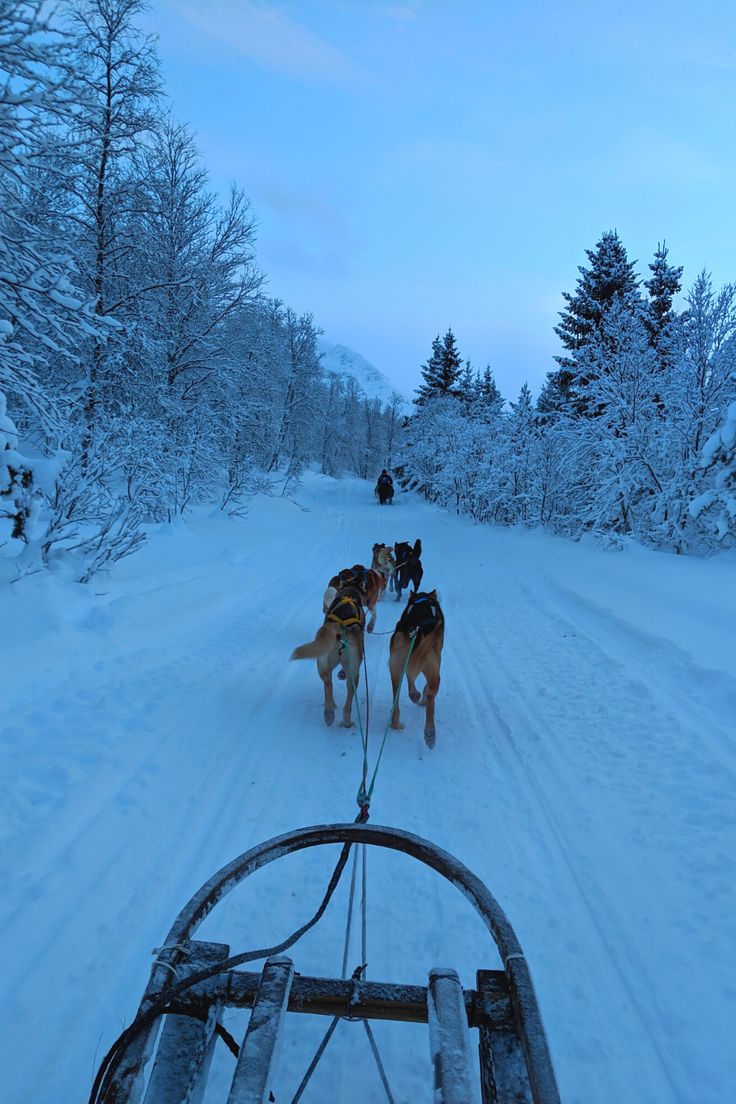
(427, 164)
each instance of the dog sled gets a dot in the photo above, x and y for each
(164, 1056)
(384, 489)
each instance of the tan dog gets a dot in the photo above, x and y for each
(338, 641)
(385, 562)
(370, 583)
(373, 584)
(423, 623)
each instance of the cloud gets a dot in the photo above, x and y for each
(400, 13)
(267, 35)
(303, 210)
(302, 230)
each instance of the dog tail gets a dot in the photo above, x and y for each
(323, 641)
(417, 547)
(328, 598)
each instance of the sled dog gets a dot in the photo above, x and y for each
(409, 568)
(422, 621)
(338, 641)
(371, 585)
(385, 562)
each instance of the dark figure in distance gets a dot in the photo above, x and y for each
(385, 488)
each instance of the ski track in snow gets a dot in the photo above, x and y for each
(584, 769)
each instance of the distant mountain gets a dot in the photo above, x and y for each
(346, 362)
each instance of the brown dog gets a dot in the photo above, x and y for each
(423, 623)
(370, 583)
(339, 640)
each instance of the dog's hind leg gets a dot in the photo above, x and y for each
(429, 695)
(396, 668)
(325, 673)
(411, 681)
(351, 665)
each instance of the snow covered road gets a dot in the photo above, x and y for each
(152, 729)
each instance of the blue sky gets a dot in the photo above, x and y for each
(419, 165)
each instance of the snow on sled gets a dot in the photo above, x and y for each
(164, 1056)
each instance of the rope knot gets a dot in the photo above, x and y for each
(364, 805)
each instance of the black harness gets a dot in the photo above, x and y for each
(423, 619)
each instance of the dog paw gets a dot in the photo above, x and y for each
(415, 696)
(398, 726)
(329, 716)
(430, 736)
(347, 724)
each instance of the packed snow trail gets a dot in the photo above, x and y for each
(153, 729)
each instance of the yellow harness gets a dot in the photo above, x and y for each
(357, 619)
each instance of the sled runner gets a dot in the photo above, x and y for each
(164, 1056)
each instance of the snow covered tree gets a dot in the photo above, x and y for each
(662, 287)
(442, 371)
(199, 264)
(294, 439)
(467, 383)
(717, 505)
(42, 312)
(16, 481)
(610, 277)
(616, 452)
(660, 318)
(117, 86)
(706, 372)
(488, 400)
(195, 272)
(551, 399)
(522, 436)
(701, 385)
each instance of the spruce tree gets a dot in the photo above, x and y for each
(551, 399)
(466, 384)
(523, 407)
(442, 371)
(663, 286)
(659, 317)
(488, 391)
(488, 399)
(609, 278)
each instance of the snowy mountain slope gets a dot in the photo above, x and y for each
(584, 769)
(346, 362)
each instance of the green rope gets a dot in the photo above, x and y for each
(364, 795)
(363, 735)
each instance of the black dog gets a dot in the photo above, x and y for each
(416, 648)
(409, 568)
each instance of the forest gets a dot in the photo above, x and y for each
(144, 366)
(633, 436)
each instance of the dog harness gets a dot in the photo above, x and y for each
(422, 624)
(358, 617)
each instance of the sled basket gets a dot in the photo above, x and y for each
(515, 1065)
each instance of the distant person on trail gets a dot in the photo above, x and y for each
(384, 488)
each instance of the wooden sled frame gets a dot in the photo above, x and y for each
(515, 1065)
